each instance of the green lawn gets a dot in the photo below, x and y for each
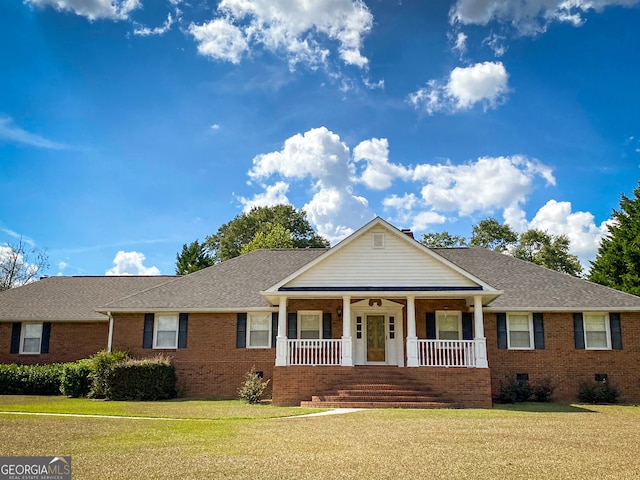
(228, 439)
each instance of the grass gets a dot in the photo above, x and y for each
(237, 441)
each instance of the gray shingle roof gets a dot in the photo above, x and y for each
(70, 298)
(233, 284)
(529, 286)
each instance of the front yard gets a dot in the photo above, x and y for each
(227, 439)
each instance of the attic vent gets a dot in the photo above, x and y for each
(378, 240)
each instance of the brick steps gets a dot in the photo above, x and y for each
(380, 387)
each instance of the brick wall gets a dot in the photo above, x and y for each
(470, 387)
(69, 342)
(563, 364)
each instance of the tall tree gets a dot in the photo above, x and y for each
(275, 236)
(489, 233)
(617, 264)
(20, 264)
(551, 251)
(192, 258)
(443, 240)
(228, 241)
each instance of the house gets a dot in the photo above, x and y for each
(378, 307)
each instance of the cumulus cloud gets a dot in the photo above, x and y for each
(378, 173)
(273, 195)
(92, 9)
(296, 29)
(15, 134)
(483, 83)
(131, 263)
(529, 17)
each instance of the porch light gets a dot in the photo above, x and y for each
(339, 312)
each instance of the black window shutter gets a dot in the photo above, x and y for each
(274, 328)
(616, 331)
(15, 337)
(538, 330)
(501, 324)
(292, 323)
(467, 326)
(147, 336)
(326, 325)
(431, 325)
(183, 327)
(578, 330)
(46, 335)
(241, 331)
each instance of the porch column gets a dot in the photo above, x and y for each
(347, 343)
(480, 339)
(412, 339)
(281, 338)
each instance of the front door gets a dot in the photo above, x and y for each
(375, 338)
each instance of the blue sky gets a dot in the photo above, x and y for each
(131, 127)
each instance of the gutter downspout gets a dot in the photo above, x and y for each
(110, 340)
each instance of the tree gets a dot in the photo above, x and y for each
(272, 236)
(193, 257)
(20, 265)
(551, 251)
(443, 240)
(490, 234)
(617, 264)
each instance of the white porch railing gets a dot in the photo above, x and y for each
(446, 353)
(314, 352)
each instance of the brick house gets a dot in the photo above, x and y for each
(377, 318)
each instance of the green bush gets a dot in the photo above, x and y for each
(514, 392)
(598, 392)
(76, 379)
(148, 379)
(253, 388)
(30, 379)
(101, 364)
(543, 391)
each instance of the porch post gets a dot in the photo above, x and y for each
(347, 343)
(412, 339)
(281, 338)
(480, 339)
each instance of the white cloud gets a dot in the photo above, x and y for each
(482, 83)
(62, 265)
(146, 31)
(131, 263)
(496, 43)
(13, 133)
(378, 173)
(407, 202)
(461, 43)
(215, 126)
(529, 17)
(92, 9)
(273, 195)
(295, 28)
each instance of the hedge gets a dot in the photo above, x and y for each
(30, 379)
(150, 379)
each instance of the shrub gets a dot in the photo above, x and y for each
(76, 380)
(514, 392)
(543, 391)
(148, 379)
(30, 379)
(598, 392)
(101, 363)
(253, 388)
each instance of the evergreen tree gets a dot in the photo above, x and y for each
(617, 264)
(193, 257)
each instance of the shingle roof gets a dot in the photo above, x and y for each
(529, 286)
(233, 284)
(70, 298)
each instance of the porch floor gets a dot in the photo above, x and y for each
(380, 387)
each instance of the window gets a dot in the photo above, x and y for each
(309, 324)
(449, 325)
(596, 331)
(520, 328)
(31, 338)
(166, 330)
(259, 331)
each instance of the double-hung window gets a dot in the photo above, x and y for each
(449, 325)
(520, 328)
(309, 324)
(166, 330)
(597, 335)
(31, 339)
(259, 330)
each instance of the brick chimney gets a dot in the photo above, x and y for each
(408, 232)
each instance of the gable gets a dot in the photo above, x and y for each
(380, 257)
